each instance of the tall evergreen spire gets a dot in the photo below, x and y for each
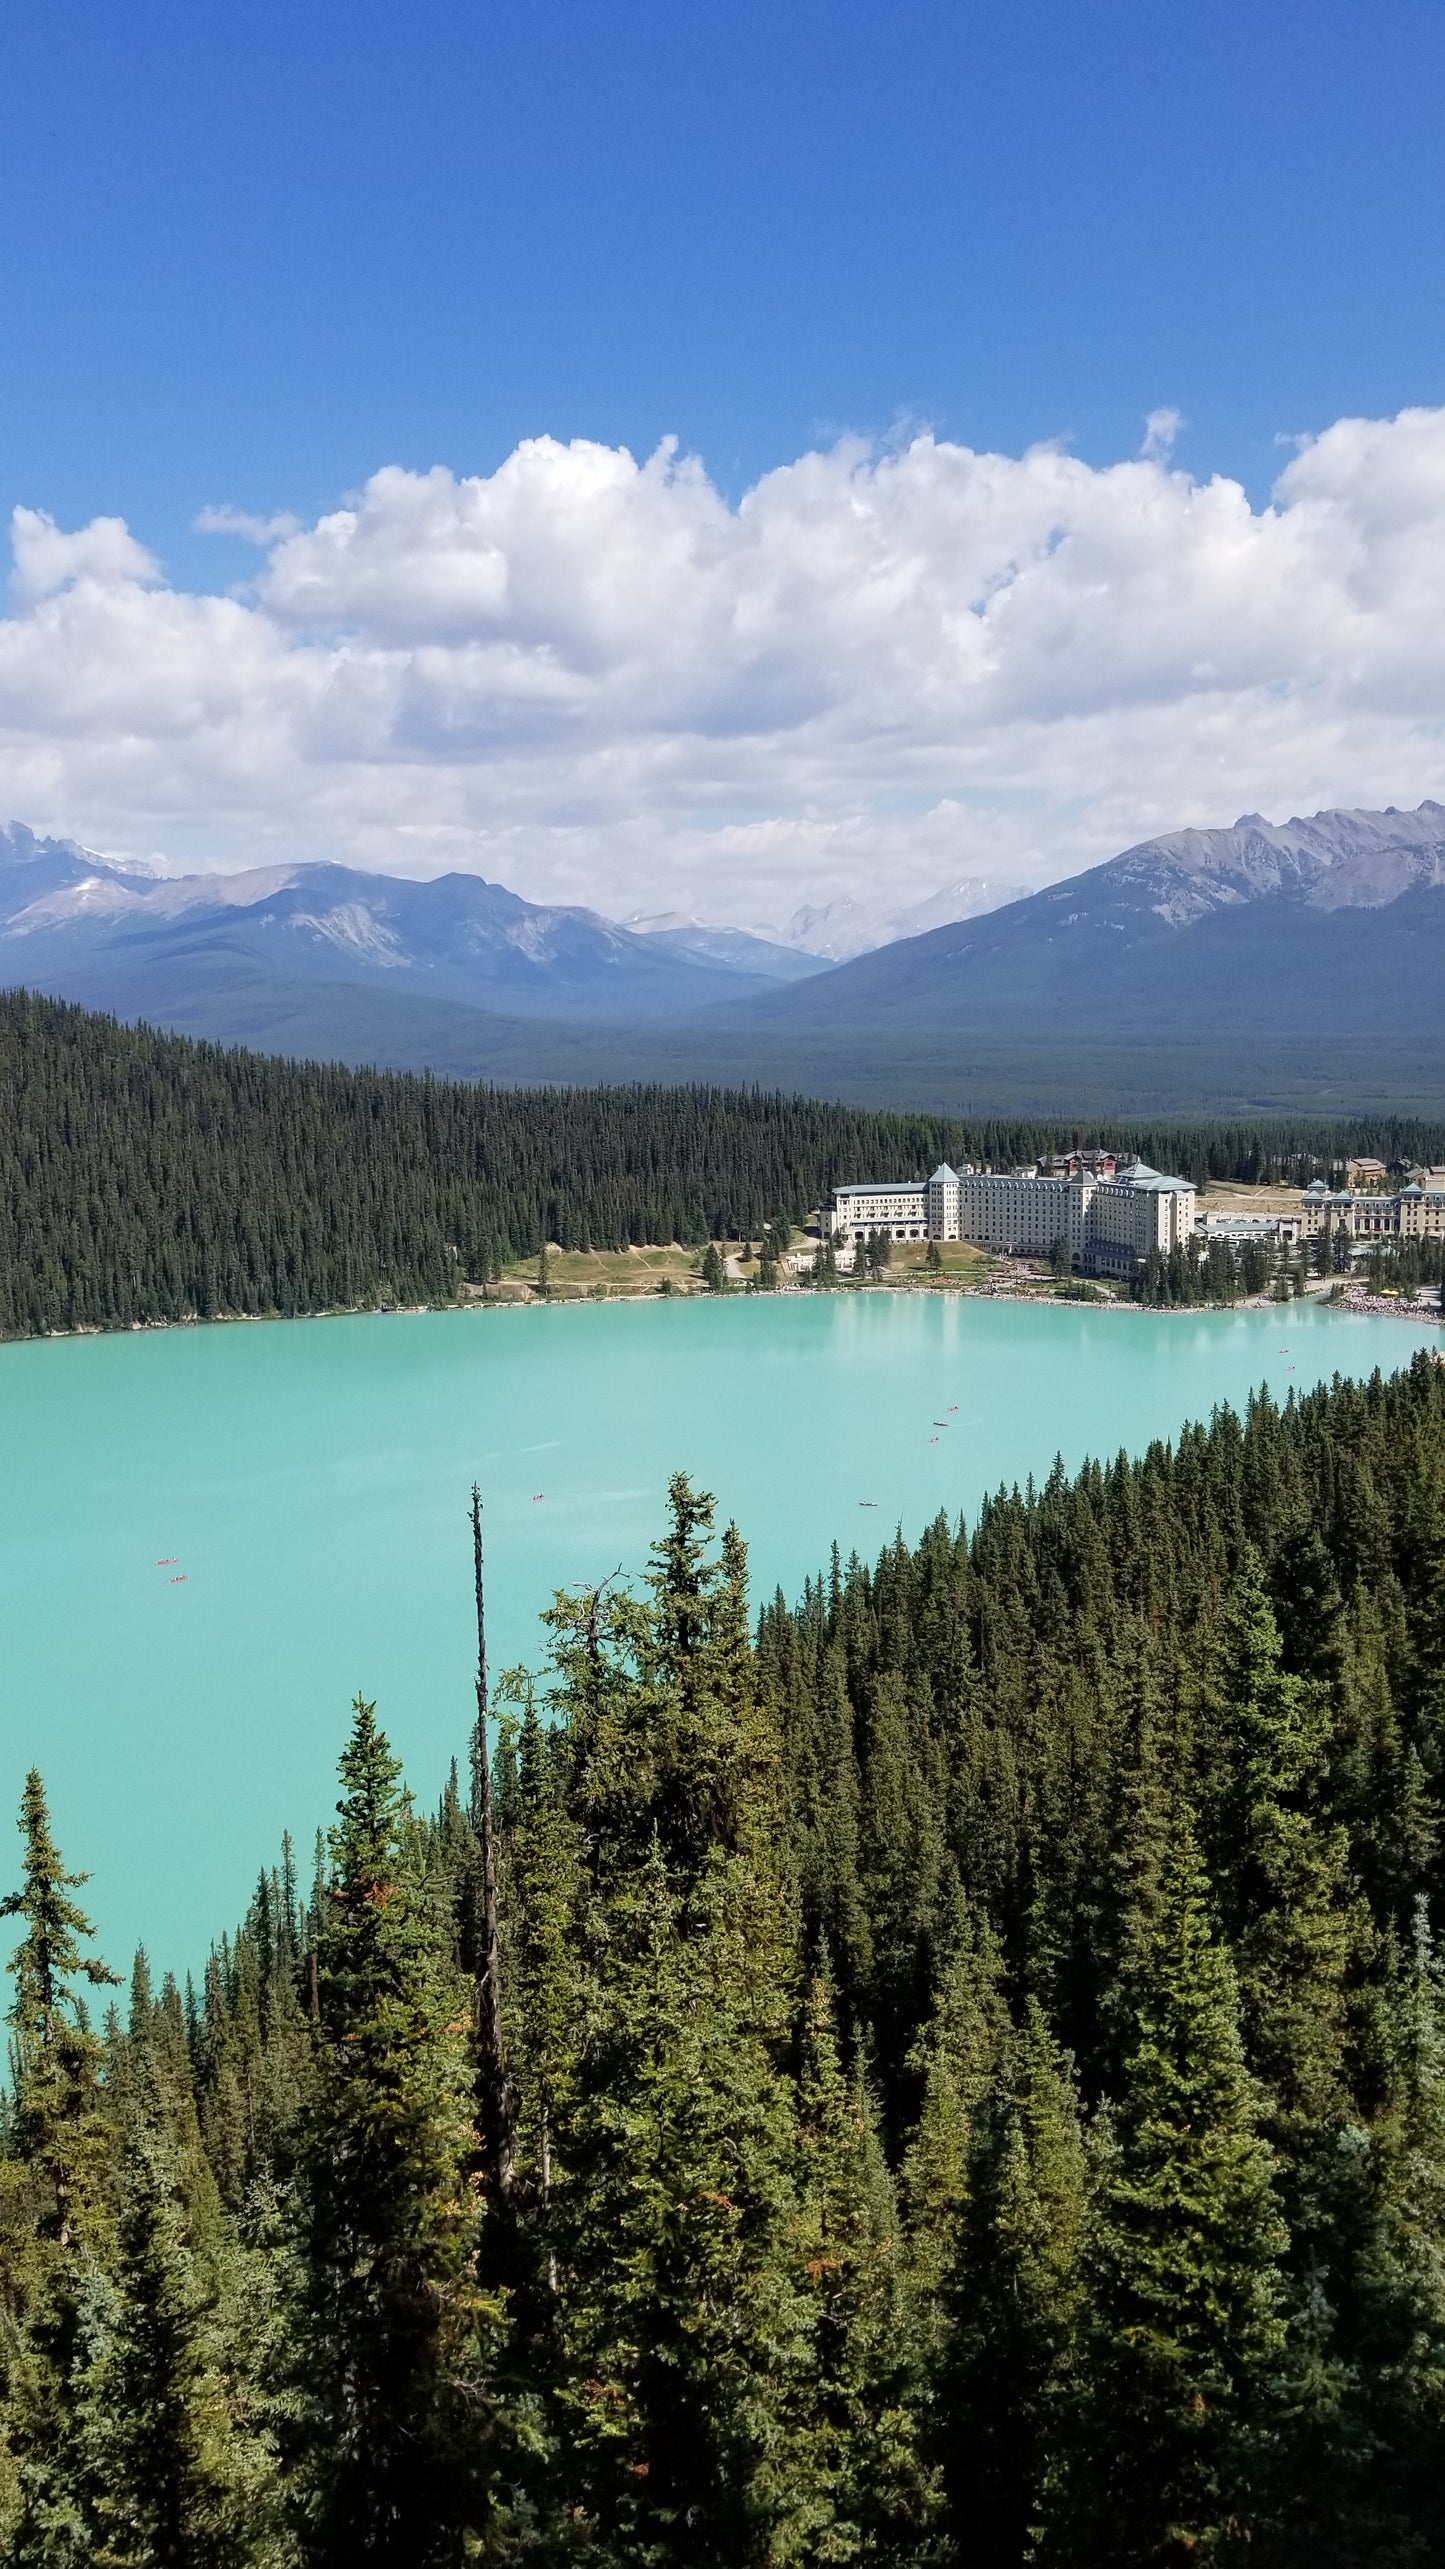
(1185, 2332)
(493, 2090)
(56, 2055)
(393, 2307)
(1014, 2302)
(155, 2423)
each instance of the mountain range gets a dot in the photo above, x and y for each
(90, 927)
(1302, 961)
(1260, 924)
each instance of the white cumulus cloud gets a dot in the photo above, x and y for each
(598, 680)
(105, 555)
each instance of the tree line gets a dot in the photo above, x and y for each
(146, 1177)
(1215, 1271)
(1407, 1263)
(949, 2071)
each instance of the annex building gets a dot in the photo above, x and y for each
(1109, 1224)
(1415, 1213)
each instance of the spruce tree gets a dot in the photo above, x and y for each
(154, 2419)
(52, 2192)
(543, 1909)
(955, 2060)
(1424, 1679)
(712, 1756)
(394, 2318)
(1006, 2375)
(1184, 2334)
(59, 2132)
(680, 2321)
(1404, 2388)
(1281, 1868)
(834, 1910)
(1360, 2470)
(864, 2493)
(1125, 1895)
(680, 2324)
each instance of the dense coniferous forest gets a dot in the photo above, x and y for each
(146, 1177)
(951, 2071)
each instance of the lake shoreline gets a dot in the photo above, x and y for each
(1369, 1306)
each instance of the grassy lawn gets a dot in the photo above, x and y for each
(1226, 1195)
(910, 1258)
(579, 1274)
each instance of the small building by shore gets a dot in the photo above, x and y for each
(1412, 1213)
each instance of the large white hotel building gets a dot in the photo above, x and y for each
(1110, 1224)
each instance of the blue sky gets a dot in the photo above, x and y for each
(251, 251)
(251, 255)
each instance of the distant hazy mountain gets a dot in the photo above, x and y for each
(86, 927)
(32, 868)
(837, 930)
(1338, 919)
(733, 949)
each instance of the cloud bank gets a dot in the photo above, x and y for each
(597, 680)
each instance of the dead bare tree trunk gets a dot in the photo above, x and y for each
(494, 2094)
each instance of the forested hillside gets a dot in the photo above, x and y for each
(954, 2073)
(146, 1177)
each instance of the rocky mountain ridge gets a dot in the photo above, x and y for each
(1196, 927)
(1334, 860)
(72, 921)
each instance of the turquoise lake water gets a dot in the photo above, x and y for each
(211, 1538)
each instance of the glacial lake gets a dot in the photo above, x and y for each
(211, 1538)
